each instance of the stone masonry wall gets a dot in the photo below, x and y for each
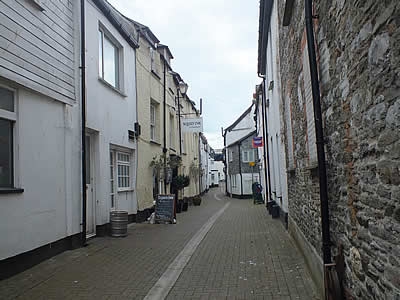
(358, 44)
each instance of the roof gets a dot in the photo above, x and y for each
(161, 46)
(263, 31)
(247, 111)
(145, 31)
(242, 139)
(120, 22)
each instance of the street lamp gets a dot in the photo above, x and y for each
(182, 88)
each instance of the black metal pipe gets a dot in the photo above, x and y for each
(225, 163)
(179, 124)
(323, 186)
(240, 172)
(165, 128)
(265, 148)
(83, 128)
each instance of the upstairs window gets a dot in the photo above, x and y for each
(8, 117)
(152, 122)
(109, 60)
(248, 156)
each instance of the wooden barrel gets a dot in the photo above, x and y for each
(119, 223)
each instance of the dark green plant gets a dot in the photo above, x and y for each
(180, 182)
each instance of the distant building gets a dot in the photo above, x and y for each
(240, 155)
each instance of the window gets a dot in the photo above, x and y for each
(152, 60)
(248, 155)
(8, 117)
(109, 60)
(233, 180)
(152, 122)
(230, 154)
(112, 181)
(120, 173)
(311, 137)
(289, 132)
(171, 132)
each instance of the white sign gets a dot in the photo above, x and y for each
(192, 125)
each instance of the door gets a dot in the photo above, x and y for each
(90, 203)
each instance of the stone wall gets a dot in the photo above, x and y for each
(358, 48)
(234, 168)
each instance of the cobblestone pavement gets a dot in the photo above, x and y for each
(245, 255)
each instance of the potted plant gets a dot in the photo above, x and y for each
(196, 200)
(179, 182)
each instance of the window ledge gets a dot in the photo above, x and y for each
(126, 190)
(312, 166)
(11, 190)
(112, 87)
(155, 143)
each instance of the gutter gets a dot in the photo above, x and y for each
(266, 145)
(83, 124)
(165, 129)
(240, 172)
(323, 188)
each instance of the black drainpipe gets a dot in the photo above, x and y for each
(165, 129)
(323, 187)
(265, 148)
(83, 133)
(225, 163)
(265, 134)
(240, 172)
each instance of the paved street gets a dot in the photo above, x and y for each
(242, 254)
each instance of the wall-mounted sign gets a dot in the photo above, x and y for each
(192, 125)
(258, 141)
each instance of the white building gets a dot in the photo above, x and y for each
(240, 156)
(40, 141)
(111, 41)
(271, 120)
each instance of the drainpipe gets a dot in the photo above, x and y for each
(226, 163)
(266, 146)
(83, 125)
(240, 172)
(165, 128)
(323, 190)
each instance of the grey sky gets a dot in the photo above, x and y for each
(214, 43)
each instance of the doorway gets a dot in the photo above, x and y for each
(90, 190)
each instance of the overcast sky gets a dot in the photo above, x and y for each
(214, 44)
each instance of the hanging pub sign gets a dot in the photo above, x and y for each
(258, 141)
(192, 125)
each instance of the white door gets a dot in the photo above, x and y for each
(90, 202)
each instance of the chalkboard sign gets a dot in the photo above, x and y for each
(164, 211)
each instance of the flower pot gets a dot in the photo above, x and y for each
(179, 205)
(185, 206)
(197, 201)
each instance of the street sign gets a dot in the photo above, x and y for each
(258, 141)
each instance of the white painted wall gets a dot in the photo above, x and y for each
(275, 123)
(47, 144)
(47, 167)
(243, 128)
(110, 114)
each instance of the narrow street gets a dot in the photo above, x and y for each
(231, 248)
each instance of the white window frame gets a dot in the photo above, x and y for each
(122, 163)
(311, 135)
(106, 35)
(153, 121)
(11, 116)
(230, 154)
(250, 155)
(112, 179)
(171, 131)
